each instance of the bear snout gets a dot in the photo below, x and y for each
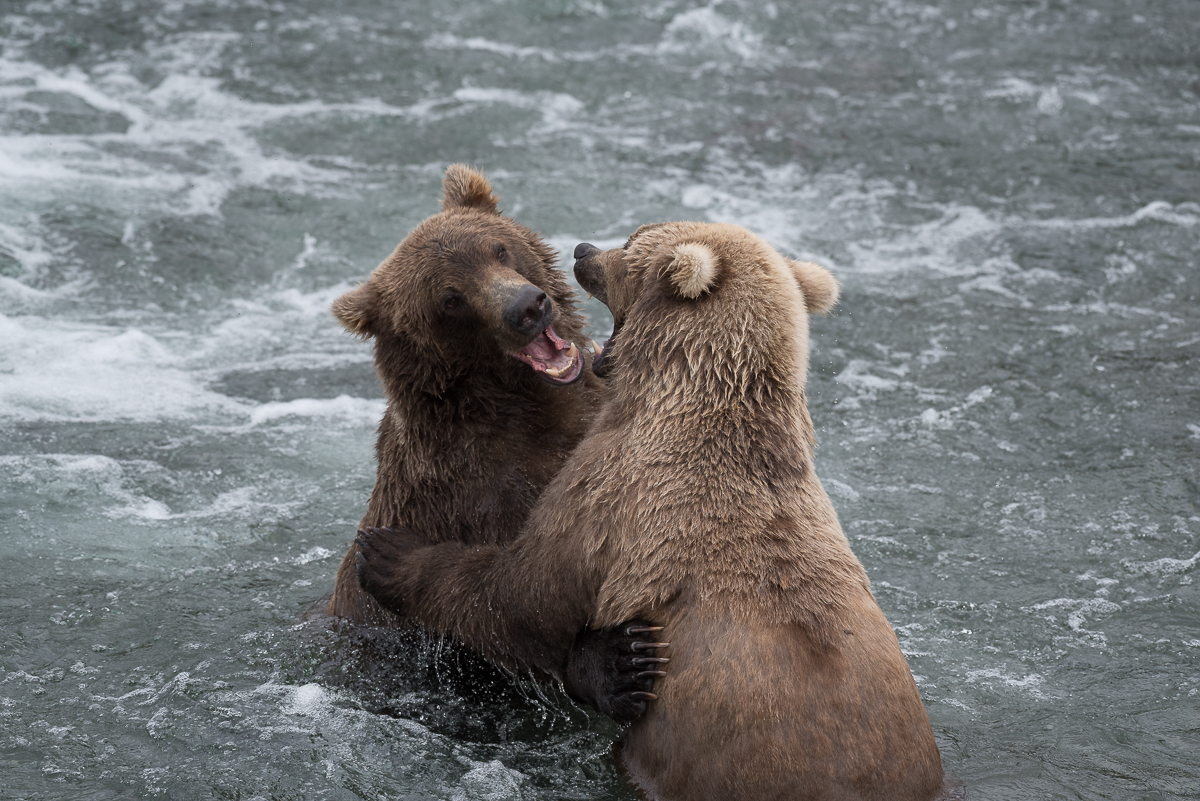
(589, 272)
(529, 311)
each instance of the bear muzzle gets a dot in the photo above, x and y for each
(589, 272)
(528, 314)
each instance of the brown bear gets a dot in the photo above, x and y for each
(480, 351)
(693, 502)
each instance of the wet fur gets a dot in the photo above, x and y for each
(693, 503)
(471, 435)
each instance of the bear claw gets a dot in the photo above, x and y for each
(626, 667)
(650, 660)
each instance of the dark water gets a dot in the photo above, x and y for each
(1008, 398)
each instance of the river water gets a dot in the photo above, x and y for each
(1007, 399)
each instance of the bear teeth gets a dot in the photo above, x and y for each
(554, 358)
(572, 354)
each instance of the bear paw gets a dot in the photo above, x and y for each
(614, 670)
(380, 552)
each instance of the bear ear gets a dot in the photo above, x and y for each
(819, 286)
(465, 187)
(356, 311)
(692, 268)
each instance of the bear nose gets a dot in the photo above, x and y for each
(529, 311)
(585, 249)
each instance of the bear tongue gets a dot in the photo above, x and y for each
(549, 354)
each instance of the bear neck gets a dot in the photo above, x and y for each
(496, 396)
(678, 396)
(496, 439)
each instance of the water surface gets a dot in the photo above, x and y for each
(1007, 399)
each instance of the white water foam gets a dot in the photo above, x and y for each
(90, 478)
(449, 41)
(57, 370)
(1185, 215)
(352, 411)
(54, 370)
(489, 781)
(111, 488)
(308, 700)
(947, 418)
(559, 111)
(1080, 609)
(183, 115)
(1029, 683)
(703, 30)
(1165, 566)
(314, 554)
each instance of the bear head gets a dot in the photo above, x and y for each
(468, 292)
(708, 300)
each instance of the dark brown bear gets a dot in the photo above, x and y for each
(693, 502)
(480, 350)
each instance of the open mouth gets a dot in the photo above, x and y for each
(554, 358)
(601, 361)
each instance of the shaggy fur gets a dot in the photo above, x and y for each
(693, 503)
(471, 434)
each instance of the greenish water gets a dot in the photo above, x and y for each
(1008, 398)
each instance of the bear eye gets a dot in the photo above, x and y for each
(452, 301)
(500, 251)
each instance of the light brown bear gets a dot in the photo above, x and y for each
(693, 502)
(481, 354)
